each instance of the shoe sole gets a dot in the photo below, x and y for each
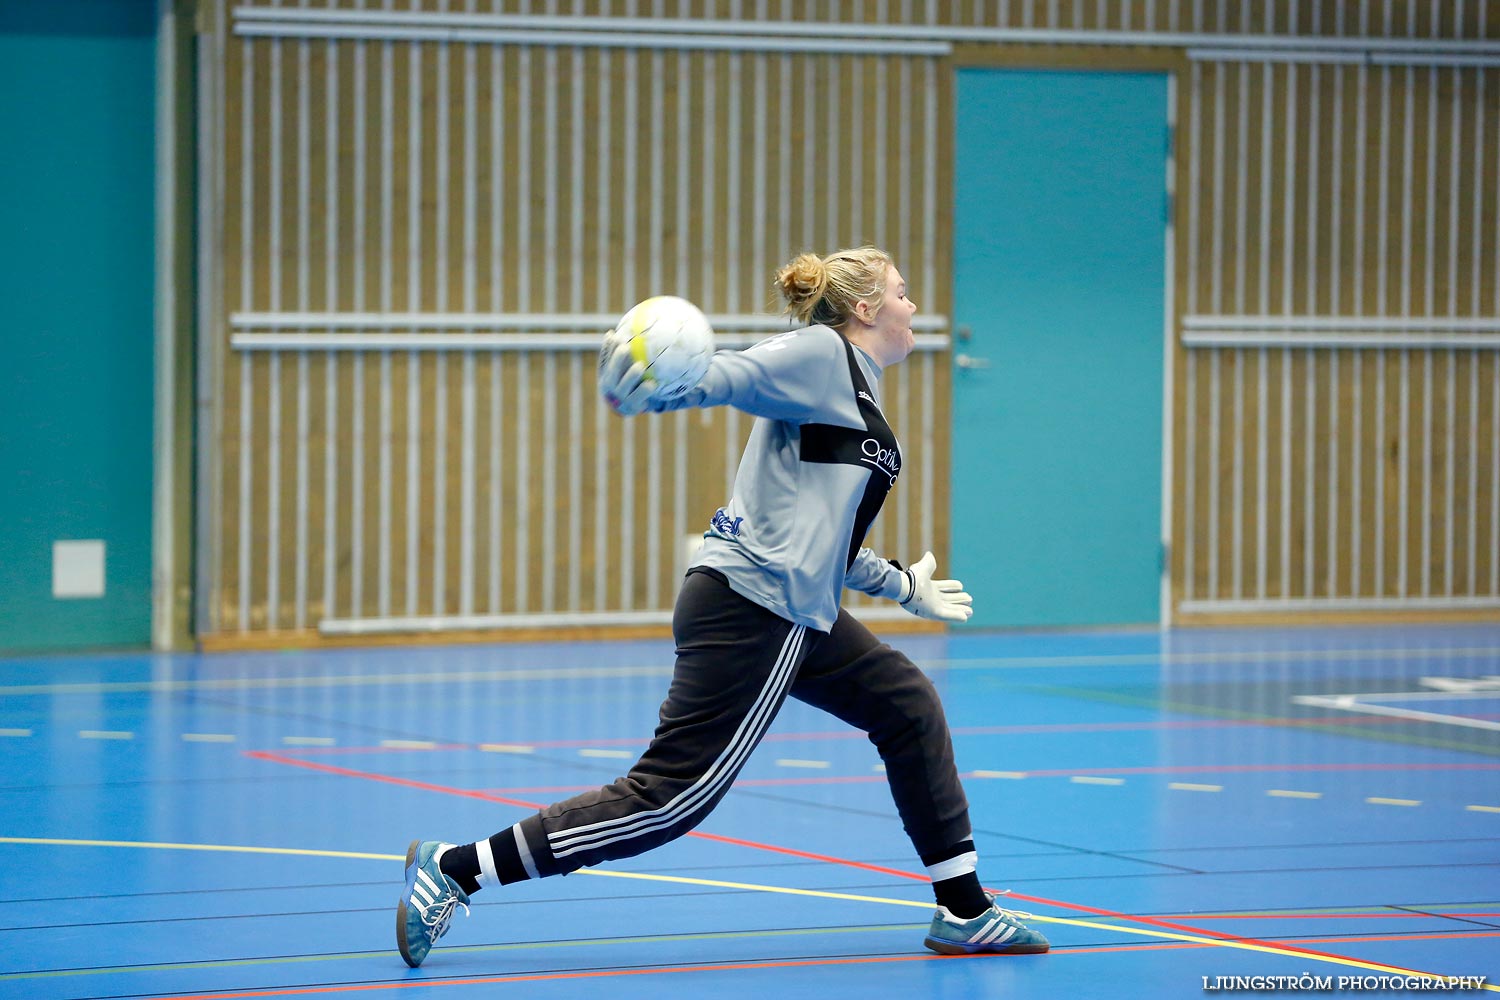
(951, 948)
(411, 878)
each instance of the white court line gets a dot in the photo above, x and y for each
(104, 734)
(15, 732)
(1286, 793)
(1088, 779)
(757, 887)
(1187, 786)
(507, 748)
(793, 762)
(1376, 800)
(665, 670)
(307, 741)
(1359, 703)
(208, 737)
(606, 754)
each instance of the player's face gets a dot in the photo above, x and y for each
(893, 322)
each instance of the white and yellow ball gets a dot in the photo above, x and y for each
(673, 340)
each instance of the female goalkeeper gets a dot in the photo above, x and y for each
(758, 619)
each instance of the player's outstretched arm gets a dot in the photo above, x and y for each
(785, 377)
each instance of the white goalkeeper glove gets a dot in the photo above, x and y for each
(622, 379)
(942, 600)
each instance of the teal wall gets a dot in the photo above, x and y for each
(77, 112)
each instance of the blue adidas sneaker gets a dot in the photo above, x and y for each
(428, 902)
(996, 930)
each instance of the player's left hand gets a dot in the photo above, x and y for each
(941, 600)
(622, 379)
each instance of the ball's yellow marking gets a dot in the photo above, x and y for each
(506, 748)
(606, 754)
(639, 315)
(1483, 809)
(408, 744)
(794, 762)
(208, 737)
(1011, 775)
(1287, 793)
(307, 741)
(1087, 779)
(1187, 786)
(1376, 800)
(15, 732)
(104, 734)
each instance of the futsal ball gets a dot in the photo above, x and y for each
(672, 338)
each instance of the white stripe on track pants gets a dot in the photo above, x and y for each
(736, 663)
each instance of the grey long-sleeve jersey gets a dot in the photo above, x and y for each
(820, 460)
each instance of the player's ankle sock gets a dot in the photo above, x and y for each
(496, 861)
(461, 864)
(955, 882)
(962, 896)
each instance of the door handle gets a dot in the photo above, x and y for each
(965, 361)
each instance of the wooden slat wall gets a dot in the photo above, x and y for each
(528, 179)
(1323, 475)
(392, 177)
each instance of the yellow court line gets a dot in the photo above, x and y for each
(754, 887)
(456, 949)
(1069, 921)
(220, 848)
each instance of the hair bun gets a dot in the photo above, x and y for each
(802, 283)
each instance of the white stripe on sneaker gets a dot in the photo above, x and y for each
(976, 938)
(711, 783)
(994, 932)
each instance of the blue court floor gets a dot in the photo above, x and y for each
(1170, 807)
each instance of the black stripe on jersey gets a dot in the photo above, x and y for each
(873, 448)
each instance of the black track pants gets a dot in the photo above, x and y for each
(736, 663)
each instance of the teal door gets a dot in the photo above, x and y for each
(1059, 271)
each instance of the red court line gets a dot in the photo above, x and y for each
(857, 779)
(860, 779)
(1322, 916)
(1080, 907)
(752, 966)
(1255, 768)
(277, 758)
(607, 973)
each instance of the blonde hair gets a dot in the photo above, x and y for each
(825, 289)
